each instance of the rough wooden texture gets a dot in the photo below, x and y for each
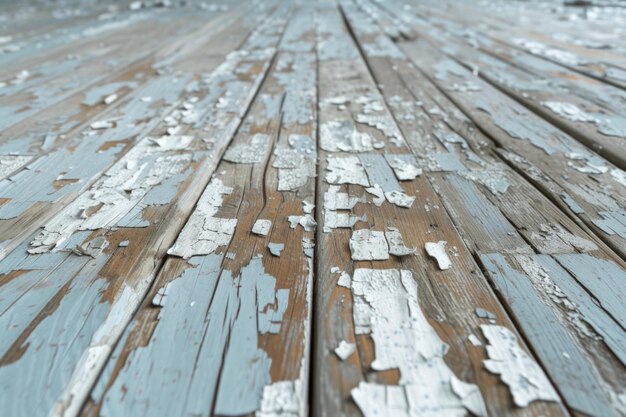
(333, 208)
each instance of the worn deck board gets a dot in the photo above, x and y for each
(330, 208)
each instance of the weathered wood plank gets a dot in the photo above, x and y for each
(127, 236)
(26, 208)
(595, 198)
(353, 251)
(249, 351)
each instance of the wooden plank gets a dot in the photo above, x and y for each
(478, 218)
(585, 195)
(132, 119)
(588, 110)
(249, 351)
(386, 363)
(101, 294)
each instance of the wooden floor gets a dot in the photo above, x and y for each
(287, 208)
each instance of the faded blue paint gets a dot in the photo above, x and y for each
(246, 367)
(31, 385)
(486, 226)
(611, 332)
(602, 278)
(176, 372)
(379, 172)
(573, 374)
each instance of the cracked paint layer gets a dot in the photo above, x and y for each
(516, 368)
(368, 245)
(204, 233)
(386, 307)
(346, 170)
(262, 227)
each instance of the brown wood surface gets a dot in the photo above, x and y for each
(142, 144)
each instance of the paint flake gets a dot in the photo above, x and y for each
(400, 199)
(516, 368)
(368, 245)
(404, 169)
(343, 136)
(378, 193)
(396, 243)
(307, 222)
(345, 350)
(276, 248)
(203, 233)
(262, 227)
(438, 251)
(346, 170)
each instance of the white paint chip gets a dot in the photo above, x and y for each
(396, 243)
(516, 368)
(203, 233)
(307, 222)
(110, 99)
(438, 251)
(378, 193)
(368, 245)
(344, 350)
(400, 199)
(404, 170)
(346, 170)
(262, 227)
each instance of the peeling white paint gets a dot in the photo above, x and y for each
(516, 368)
(344, 350)
(346, 170)
(378, 193)
(404, 170)
(368, 245)
(386, 307)
(307, 222)
(204, 233)
(438, 251)
(114, 196)
(400, 199)
(385, 124)
(334, 201)
(262, 227)
(343, 136)
(10, 163)
(396, 243)
(281, 399)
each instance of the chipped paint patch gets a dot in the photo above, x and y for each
(261, 310)
(11, 163)
(404, 166)
(281, 399)
(386, 307)
(400, 199)
(516, 368)
(118, 198)
(295, 164)
(438, 252)
(307, 222)
(368, 245)
(396, 243)
(204, 233)
(343, 136)
(334, 202)
(346, 170)
(276, 248)
(344, 350)
(262, 227)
